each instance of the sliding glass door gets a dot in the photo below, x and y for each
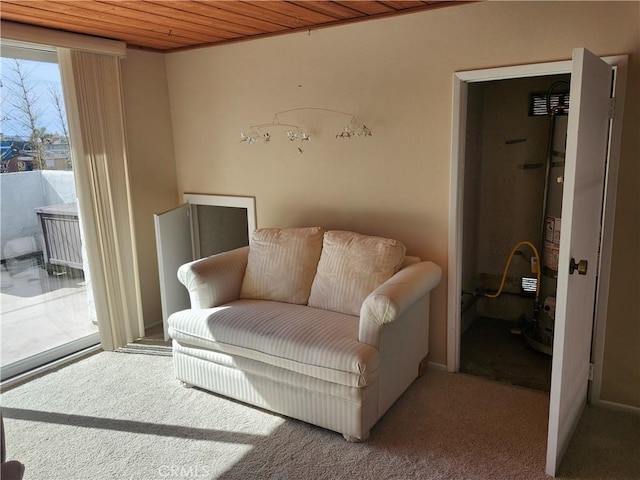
(46, 306)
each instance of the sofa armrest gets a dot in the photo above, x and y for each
(386, 303)
(215, 280)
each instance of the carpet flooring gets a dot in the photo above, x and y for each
(123, 416)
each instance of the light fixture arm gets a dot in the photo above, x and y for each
(353, 117)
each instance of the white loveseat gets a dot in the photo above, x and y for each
(326, 327)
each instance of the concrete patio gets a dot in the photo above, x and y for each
(39, 311)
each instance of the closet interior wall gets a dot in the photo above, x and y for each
(506, 152)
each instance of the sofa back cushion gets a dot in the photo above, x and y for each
(282, 264)
(351, 267)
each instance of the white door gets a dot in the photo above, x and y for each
(176, 231)
(585, 164)
(173, 242)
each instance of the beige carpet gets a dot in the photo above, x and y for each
(123, 416)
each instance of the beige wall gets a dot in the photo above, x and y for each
(151, 163)
(396, 75)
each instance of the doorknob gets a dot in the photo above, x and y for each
(581, 266)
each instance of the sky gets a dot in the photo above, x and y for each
(41, 75)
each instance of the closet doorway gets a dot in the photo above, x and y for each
(588, 202)
(514, 167)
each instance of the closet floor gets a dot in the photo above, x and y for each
(488, 349)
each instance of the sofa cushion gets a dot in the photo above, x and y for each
(351, 267)
(282, 264)
(302, 339)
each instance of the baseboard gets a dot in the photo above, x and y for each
(422, 367)
(617, 406)
(438, 366)
(153, 325)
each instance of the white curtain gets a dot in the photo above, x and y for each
(93, 96)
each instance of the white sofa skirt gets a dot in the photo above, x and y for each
(349, 410)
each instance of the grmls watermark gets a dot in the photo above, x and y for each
(177, 472)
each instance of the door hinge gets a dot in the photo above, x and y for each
(612, 108)
(591, 368)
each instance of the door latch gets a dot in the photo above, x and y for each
(581, 266)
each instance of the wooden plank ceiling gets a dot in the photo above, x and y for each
(172, 25)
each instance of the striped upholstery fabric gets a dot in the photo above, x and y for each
(353, 415)
(339, 363)
(214, 280)
(304, 340)
(270, 372)
(351, 267)
(282, 264)
(387, 302)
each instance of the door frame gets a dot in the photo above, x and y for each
(456, 204)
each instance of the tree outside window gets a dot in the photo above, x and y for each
(33, 129)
